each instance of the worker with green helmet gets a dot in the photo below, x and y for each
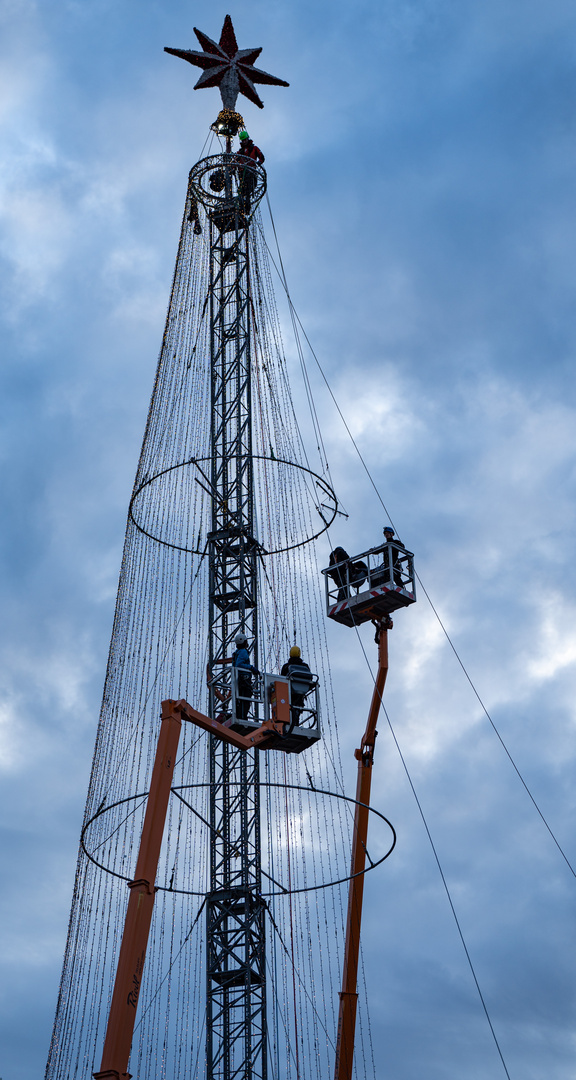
(249, 149)
(247, 156)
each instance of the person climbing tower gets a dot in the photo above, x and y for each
(247, 175)
(194, 216)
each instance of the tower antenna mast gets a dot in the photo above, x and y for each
(236, 1043)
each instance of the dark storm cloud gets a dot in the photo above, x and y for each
(421, 177)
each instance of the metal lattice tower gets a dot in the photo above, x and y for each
(236, 1043)
(236, 983)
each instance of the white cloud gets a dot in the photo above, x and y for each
(556, 641)
(12, 738)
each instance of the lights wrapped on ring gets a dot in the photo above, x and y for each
(228, 123)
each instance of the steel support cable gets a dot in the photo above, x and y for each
(448, 638)
(272, 914)
(485, 711)
(291, 921)
(293, 437)
(305, 923)
(136, 660)
(436, 857)
(329, 965)
(170, 966)
(366, 999)
(158, 668)
(267, 494)
(281, 1013)
(288, 399)
(269, 304)
(294, 320)
(284, 284)
(301, 981)
(191, 747)
(141, 629)
(121, 823)
(497, 733)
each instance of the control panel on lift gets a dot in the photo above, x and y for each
(370, 585)
(252, 700)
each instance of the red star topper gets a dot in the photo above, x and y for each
(227, 66)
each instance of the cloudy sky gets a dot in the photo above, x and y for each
(421, 173)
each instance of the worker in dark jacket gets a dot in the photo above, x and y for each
(339, 559)
(381, 574)
(194, 215)
(292, 669)
(295, 662)
(346, 572)
(389, 538)
(247, 155)
(249, 149)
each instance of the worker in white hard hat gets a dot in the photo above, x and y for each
(241, 660)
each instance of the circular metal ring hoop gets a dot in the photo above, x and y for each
(168, 483)
(227, 170)
(280, 891)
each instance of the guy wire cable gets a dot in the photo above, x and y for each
(386, 511)
(437, 858)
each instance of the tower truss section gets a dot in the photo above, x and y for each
(235, 933)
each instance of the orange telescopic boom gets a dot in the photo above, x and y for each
(122, 1017)
(120, 1027)
(365, 757)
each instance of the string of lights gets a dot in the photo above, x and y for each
(159, 650)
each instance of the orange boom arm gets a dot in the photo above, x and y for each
(365, 757)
